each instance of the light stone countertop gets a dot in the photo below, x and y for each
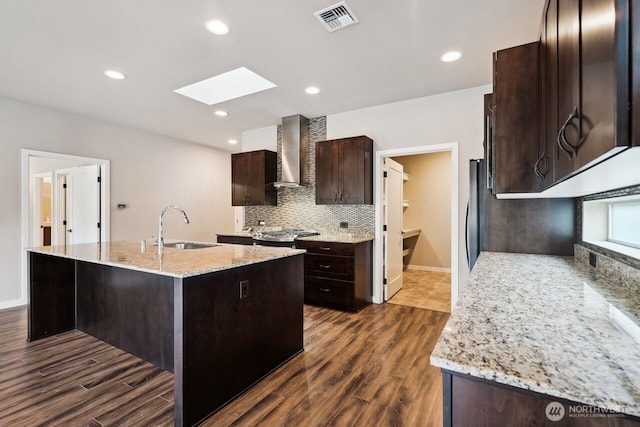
(174, 262)
(549, 325)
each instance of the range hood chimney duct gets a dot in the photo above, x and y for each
(295, 152)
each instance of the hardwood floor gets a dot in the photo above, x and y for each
(425, 289)
(367, 368)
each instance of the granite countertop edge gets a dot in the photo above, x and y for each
(533, 322)
(278, 253)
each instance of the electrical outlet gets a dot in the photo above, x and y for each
(262, 222)
(592, 259)
(244, 288)
(344, 224)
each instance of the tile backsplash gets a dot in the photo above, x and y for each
(297, 206)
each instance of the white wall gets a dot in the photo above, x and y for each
(260, 139)
(445, 118)
(148, 172)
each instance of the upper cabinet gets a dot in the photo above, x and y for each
(587, 90)
(344, 171)
(593, 82)
(515, 119)
(252, 176)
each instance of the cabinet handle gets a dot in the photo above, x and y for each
(324, 266)
(340, 197)
(536, 167)
(335, 198)
(325, 289)
(562, 137)
(325, 248)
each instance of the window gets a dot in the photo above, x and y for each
(624, 223)
(613, 224)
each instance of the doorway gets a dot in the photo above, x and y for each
(442, 269)
(78, 200)
(425, 209)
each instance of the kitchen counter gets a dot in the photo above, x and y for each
(174, 262)
(549, 325)
(220, 318)
(337, 238)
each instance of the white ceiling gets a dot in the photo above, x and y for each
(54, 53)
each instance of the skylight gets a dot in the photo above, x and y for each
(223, 87)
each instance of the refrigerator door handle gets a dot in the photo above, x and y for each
(466, 234)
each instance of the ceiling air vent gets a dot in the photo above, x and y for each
(336, 17)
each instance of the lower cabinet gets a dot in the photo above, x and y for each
(235, 240)
(337, 275)
(470, 402)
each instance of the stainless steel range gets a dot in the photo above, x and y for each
(282, 238)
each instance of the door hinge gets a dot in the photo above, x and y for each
(64, 185)
(64, 222)
(384, 281)
(384, 227)
(98, 225)
(99, 180)
(385, 174)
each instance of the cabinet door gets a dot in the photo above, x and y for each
(255, 178)
(604, 66)
(515, 132)
(239, 175)
(327, 174)
(550, 120)
(568, 84)
(352, 171)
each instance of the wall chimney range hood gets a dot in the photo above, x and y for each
(295, 152)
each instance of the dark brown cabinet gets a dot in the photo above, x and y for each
(470, 401)
(337, 275)
(515, 119)
(344, 171)
(234, 240)
(252, 176)
(587, 82)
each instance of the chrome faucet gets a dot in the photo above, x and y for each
(160, 233)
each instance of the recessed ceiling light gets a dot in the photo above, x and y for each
(454, 55)
(217, 27)
(221, 113)
(116, 75)
(312, 90)
(233, 141)
(226, 86)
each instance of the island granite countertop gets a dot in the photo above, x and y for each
(549, 325)
(174, 262)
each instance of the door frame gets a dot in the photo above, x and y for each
(378, 268)
(26, 190)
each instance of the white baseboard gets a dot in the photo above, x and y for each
(428, 268)
(11, 303)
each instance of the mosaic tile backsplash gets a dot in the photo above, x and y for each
(297, 206)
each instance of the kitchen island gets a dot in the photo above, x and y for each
(531, 330)
(220, 318)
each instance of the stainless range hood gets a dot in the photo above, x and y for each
(295, 152)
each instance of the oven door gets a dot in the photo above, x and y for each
(277, 243)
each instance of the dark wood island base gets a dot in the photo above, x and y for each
(218, 332)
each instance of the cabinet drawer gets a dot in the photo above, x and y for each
(326, 248)
(236, 240)
(327, 291)
(337, 267)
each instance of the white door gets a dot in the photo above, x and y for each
(81, 200)
(393, 222)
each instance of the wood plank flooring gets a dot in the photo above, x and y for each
(425, 289)
(358, 369)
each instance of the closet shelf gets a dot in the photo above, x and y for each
(407, 233)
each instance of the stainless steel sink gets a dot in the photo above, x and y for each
(189, 245)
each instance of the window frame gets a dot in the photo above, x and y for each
(611, 206)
